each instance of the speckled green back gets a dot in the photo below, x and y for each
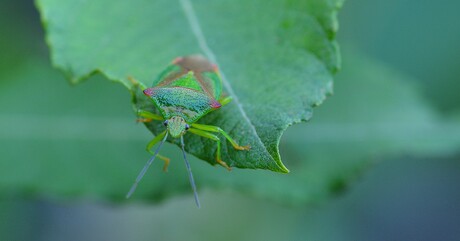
(190, 88)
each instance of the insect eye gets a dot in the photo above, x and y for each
(165, 123)
(187, 127)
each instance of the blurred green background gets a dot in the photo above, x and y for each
(399, 63)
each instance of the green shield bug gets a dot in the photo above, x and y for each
(185, 91)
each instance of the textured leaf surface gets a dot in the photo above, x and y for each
(277, 58)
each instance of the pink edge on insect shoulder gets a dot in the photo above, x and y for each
(148, 92)
(215, 104)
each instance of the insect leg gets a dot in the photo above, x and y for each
(149, 149)
(136, 83)
(214, 138)
(148, 116)
(225, 100)
(218, 129)
(166, 160)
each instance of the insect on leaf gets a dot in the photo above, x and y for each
(276, 59)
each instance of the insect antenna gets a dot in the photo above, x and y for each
(146, 166)
(190, 176)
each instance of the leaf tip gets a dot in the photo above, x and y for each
(282, 168)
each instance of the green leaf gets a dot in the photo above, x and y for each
(76, 147)
(277, 59)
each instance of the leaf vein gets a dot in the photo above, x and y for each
(196, 29)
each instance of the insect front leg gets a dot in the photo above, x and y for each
(136, 83)
(218, 129)
(152, 143)
(148, 116)
(214, 138)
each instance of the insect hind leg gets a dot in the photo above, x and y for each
(214, 138)
(218, 129)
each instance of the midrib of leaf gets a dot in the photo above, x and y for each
(195, 26)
